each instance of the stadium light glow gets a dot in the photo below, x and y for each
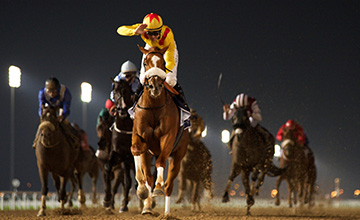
(14, 76)
(86, 90)
(225, 136)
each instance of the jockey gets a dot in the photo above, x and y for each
(56, 95)
(299, 135)
(155, 34)
(254, 112)
(128, 73)
(197, 126)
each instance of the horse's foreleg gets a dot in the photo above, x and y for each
(44, 190)
(94, 178)
(290, 191)
(107, 187)
(235, 171)
(142, 191)
(126, 188)
(62, 191)
(249, 198)
(277, 197)
(81, 194)
(118, 178)
(73, 187)
(160, 166)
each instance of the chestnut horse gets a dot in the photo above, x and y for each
(196, 168)
(156, 132)
(249, 155)
(54, 154)
(300, 173)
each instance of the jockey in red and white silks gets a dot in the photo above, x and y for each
(243, 100)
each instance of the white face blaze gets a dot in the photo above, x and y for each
(154, 60)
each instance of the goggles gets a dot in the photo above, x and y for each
(153, 33)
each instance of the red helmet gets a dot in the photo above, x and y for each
(290, 124)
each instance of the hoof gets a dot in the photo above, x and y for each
(179, 200)
(250, 201)
(277, 202)
(158, 193)
(142, 192)
(106, 204)
(225, 199)
(146, 211)
(123, 209)
(41, 213)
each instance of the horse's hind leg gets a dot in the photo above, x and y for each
(174, 168)
(94, 176)
(195, 197)
(182, 186)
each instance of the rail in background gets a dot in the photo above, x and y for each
(32, 200)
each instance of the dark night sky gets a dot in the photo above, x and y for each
(300, 59)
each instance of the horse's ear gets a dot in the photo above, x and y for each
(162, 51)
(112, 80)
(143, 50)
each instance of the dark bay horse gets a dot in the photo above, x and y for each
(155, 132)
(300, 173)
(249, 155)
(120, 160)
(196, 168)
(54, 154)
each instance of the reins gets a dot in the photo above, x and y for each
(118, 130)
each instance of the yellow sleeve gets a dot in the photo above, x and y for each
(170, 52)
(127, 30)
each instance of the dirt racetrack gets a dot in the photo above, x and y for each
(213, 210)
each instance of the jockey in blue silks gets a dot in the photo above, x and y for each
(55, 94)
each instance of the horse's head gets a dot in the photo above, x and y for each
(154, 76)
(154, 58)
(123, 97)
(241, 118)
(104, 134)
(49, 113)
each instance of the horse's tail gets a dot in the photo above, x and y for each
(275, 171)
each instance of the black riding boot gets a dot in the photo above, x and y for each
(181, 97)
(181, 102)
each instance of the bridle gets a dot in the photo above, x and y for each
(156, 53)
(146, 84)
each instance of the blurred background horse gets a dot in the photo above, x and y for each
(249, 155)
